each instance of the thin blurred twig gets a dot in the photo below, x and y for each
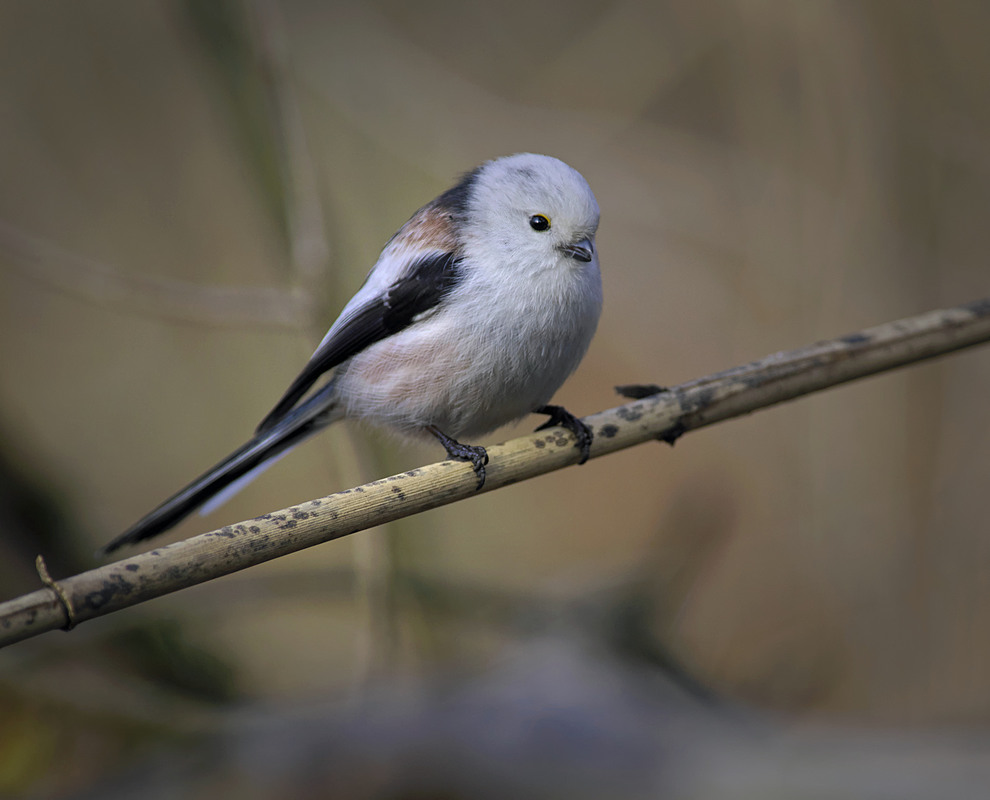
(310, 256)
(665, 415)
(48, 263)
(309, 246)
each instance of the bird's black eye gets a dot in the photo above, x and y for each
(538, 222)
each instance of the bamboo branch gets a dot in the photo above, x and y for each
(665, 415)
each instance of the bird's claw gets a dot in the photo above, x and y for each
(565, 419)
(474, 454)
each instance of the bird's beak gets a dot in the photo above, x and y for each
(581, 251)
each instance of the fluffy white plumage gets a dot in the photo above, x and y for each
(475, 313)
(513, 328)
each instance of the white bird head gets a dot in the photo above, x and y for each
(534, 210)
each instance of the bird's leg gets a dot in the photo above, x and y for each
(475, 454)
(565, 419)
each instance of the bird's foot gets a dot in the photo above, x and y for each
(565, 419)
(475, 455)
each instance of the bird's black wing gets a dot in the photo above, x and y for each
(419, 290)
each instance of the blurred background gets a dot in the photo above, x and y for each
(190, 191)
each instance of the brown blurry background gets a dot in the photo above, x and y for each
(190, 191)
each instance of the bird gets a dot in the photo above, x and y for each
(477, 310)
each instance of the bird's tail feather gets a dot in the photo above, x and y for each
(222, 481)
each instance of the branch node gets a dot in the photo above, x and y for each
(60, 594)
(673, 433)
(637, 391)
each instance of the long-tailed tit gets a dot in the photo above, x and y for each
(475, 313)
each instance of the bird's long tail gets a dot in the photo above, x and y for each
(236, 470)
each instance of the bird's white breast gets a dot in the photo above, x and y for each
(495, 351)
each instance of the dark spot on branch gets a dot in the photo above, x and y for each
(608, 431)
(629, 414)
(113, 586)
(697, 400)
(261, 543)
